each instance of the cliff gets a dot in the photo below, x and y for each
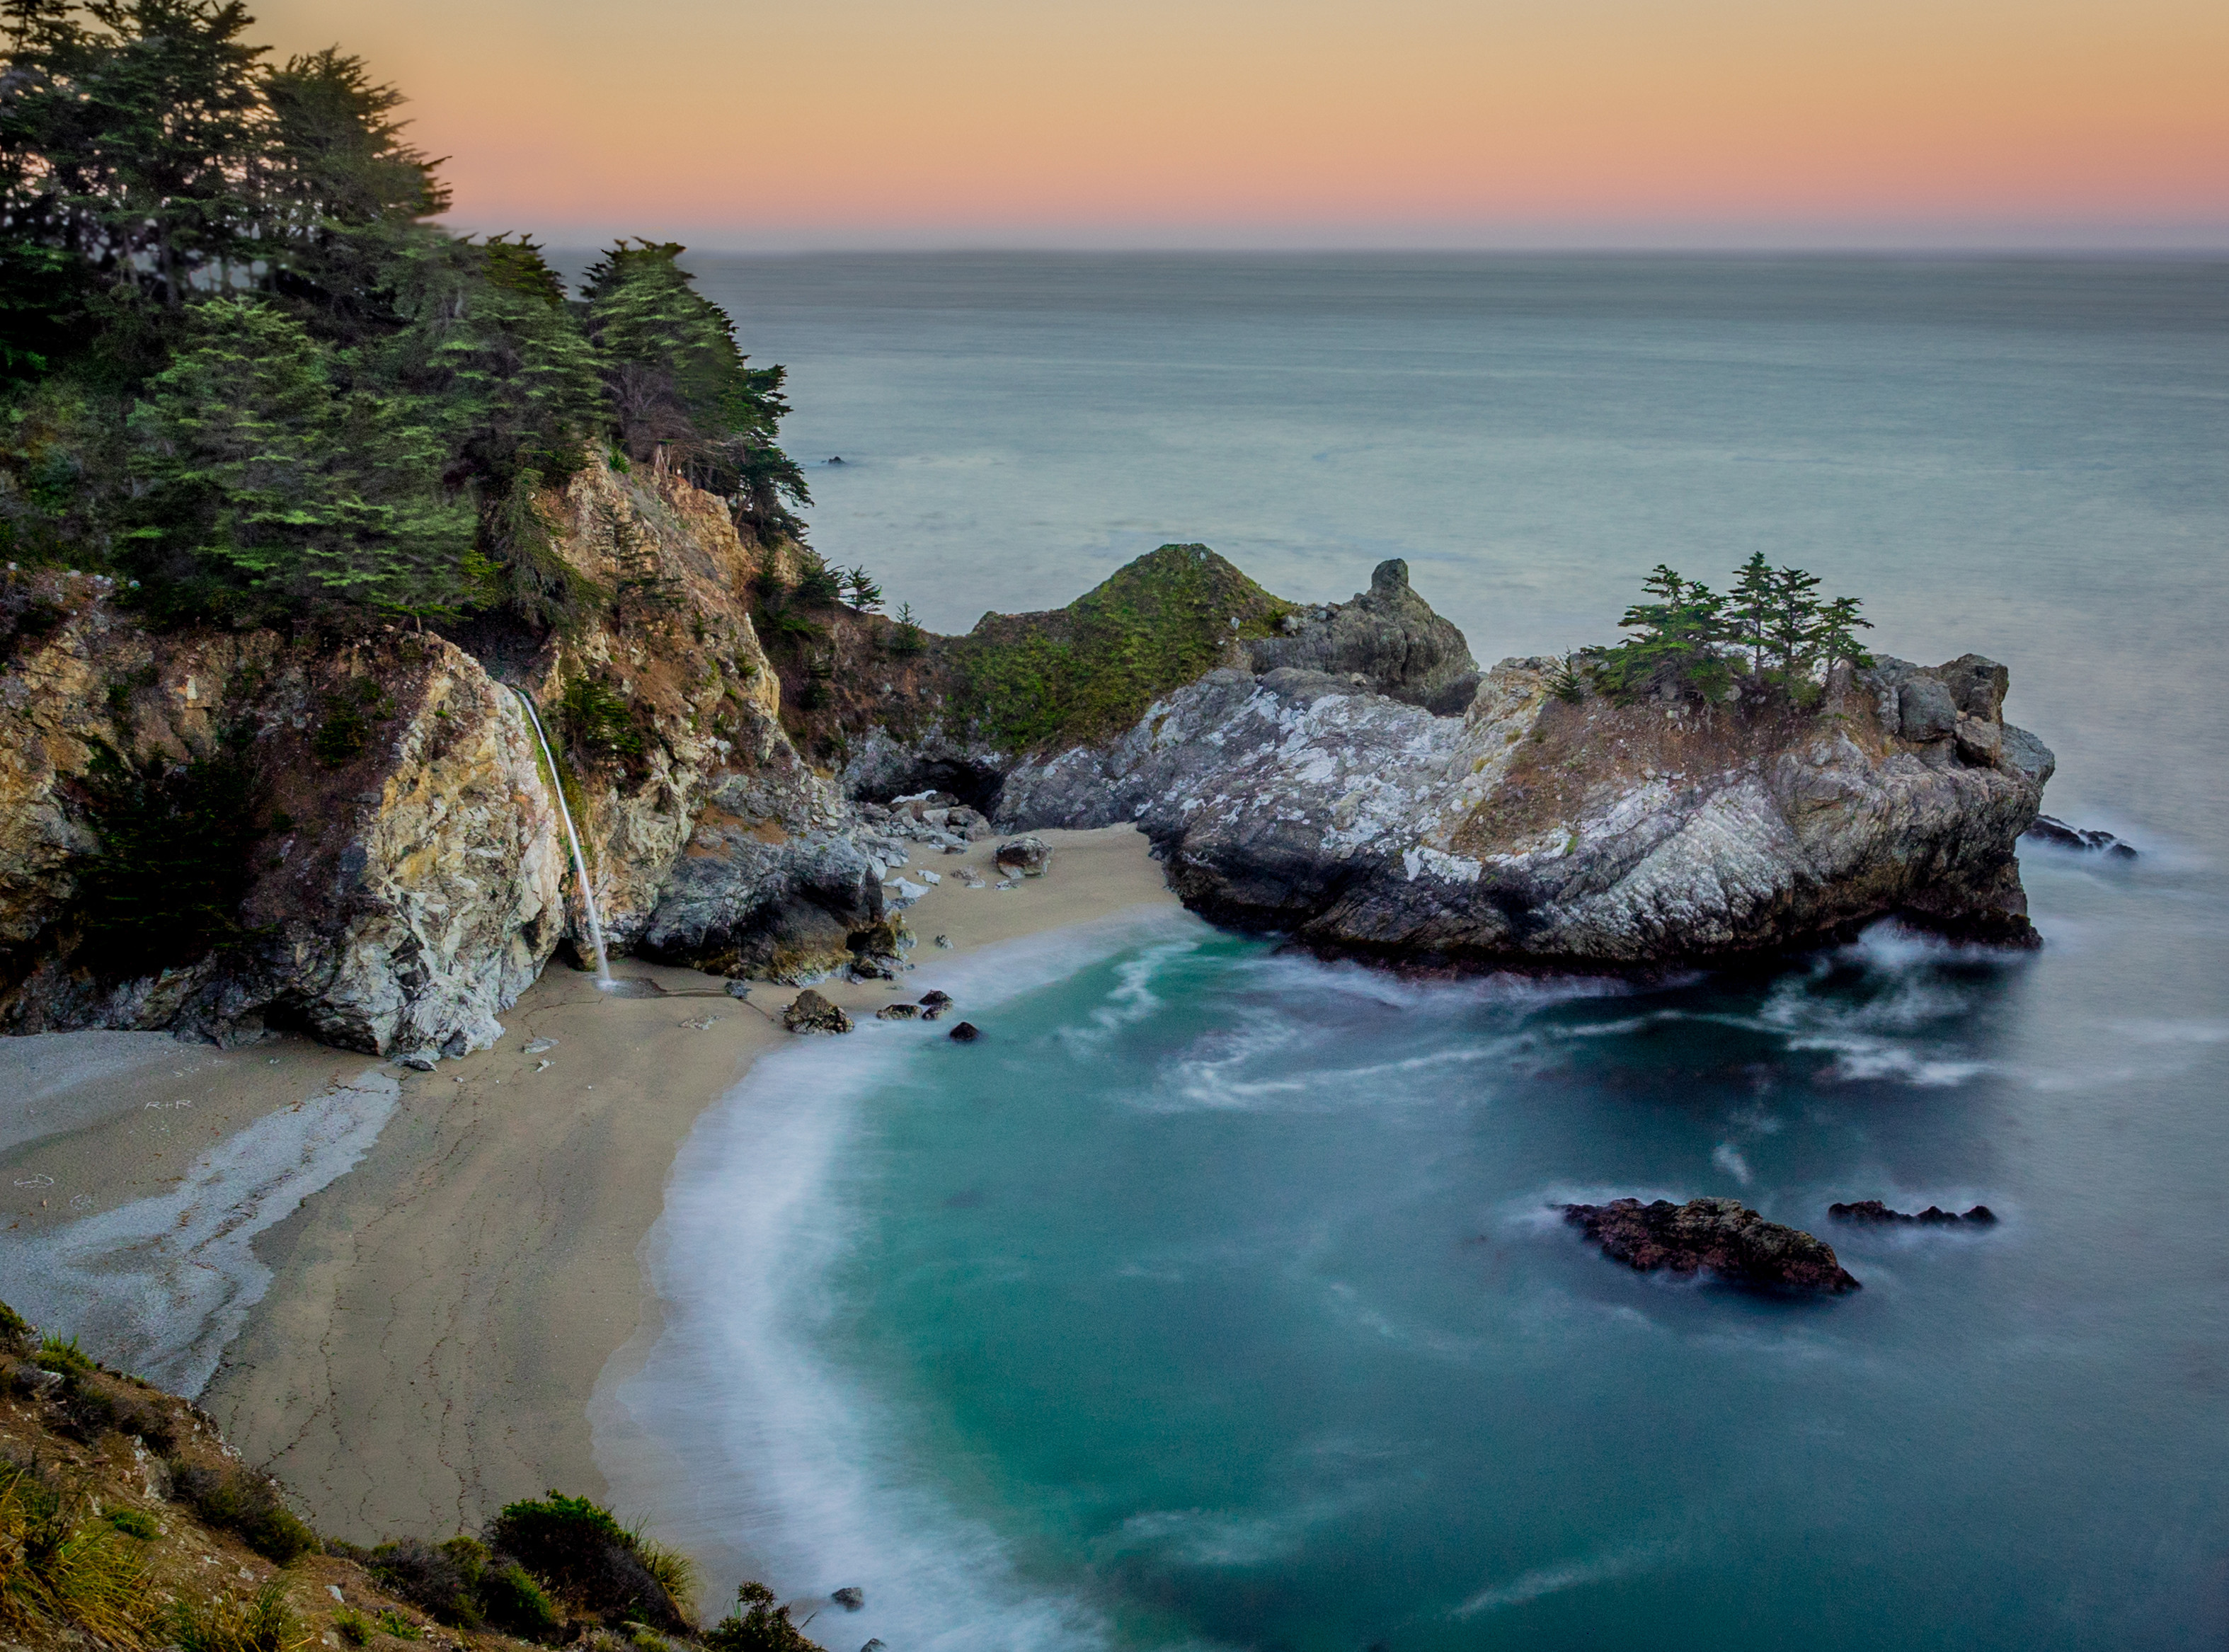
(212, 830)
(216, 831)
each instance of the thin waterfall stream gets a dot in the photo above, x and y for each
(579, 861)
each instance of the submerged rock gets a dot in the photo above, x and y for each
(811, 1013)
(1718, 1234)
(1872, 1209)
(2057, 834)
(898, 1011)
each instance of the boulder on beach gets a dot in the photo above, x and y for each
(1028, 857)
(809, 1012)
(1721, 1235)
(898, 1011)
(1872, 1209)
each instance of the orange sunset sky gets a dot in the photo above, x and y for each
(746, 122)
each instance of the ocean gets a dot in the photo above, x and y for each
(1217, 1297)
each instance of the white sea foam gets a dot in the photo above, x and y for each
(736, 1437)
(1530, 1586)
(161, 1285)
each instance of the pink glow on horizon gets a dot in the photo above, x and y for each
(854, 120)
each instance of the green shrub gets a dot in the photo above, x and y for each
(597, 717)
(249, 1505)
(134, 1522)
(56, 1353)
(596, 1564)
(56, 1569)
(353, 1627)
(440, 1581)
(1093, 667)
(515, 1602)
(345, 734)
(401, 1628)
(758, 1625)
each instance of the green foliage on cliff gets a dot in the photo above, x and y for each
(238, 363)
(1091, 669)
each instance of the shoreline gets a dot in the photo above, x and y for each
(440, 1312)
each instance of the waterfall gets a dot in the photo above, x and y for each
(580, 862)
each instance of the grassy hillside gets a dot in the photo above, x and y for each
(127, 1522)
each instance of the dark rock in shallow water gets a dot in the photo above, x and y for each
(898, 1011)
(935, 1000)
(1719, 1234)
(2058, 834)
(966, 1033)
(1872, 1209)
(809, 1012)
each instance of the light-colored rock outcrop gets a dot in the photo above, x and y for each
(1534, 830)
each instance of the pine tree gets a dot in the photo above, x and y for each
(1749, 609)
(272, 492)
(1791, 621)
(1835, 633)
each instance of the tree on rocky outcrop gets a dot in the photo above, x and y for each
(1772, 620)
(678, 382)
(153, 165)
(273, 488)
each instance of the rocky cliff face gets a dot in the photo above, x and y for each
(1534, 830)
(1387, 638)
(368, 833)
(212, 830)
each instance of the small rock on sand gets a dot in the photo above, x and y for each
(809, 1012)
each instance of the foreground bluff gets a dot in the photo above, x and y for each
(213, 832)
(1539, 829)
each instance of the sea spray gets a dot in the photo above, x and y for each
(573, 839)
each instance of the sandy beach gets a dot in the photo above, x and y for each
(401, 1287)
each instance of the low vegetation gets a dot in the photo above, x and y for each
(1090, 669)
(204, 1556)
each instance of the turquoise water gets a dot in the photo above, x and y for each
(1216, 1297)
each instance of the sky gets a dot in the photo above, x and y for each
(743, 125)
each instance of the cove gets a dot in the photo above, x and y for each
(1216, 1298)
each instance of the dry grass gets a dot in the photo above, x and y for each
(58, 1570)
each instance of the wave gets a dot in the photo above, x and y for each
(1543, 1581)
(161, 1285)
(737, 1436)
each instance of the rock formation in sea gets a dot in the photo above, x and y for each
(1719, 1234)
(1536, 829)
(369, 838)
(2055, 833)
(1873, 1211)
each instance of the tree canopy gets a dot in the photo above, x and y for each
(240, 364)
(1692, 640)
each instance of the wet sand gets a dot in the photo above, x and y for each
(436, 1318)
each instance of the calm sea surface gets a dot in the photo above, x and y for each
(1214, 1299)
